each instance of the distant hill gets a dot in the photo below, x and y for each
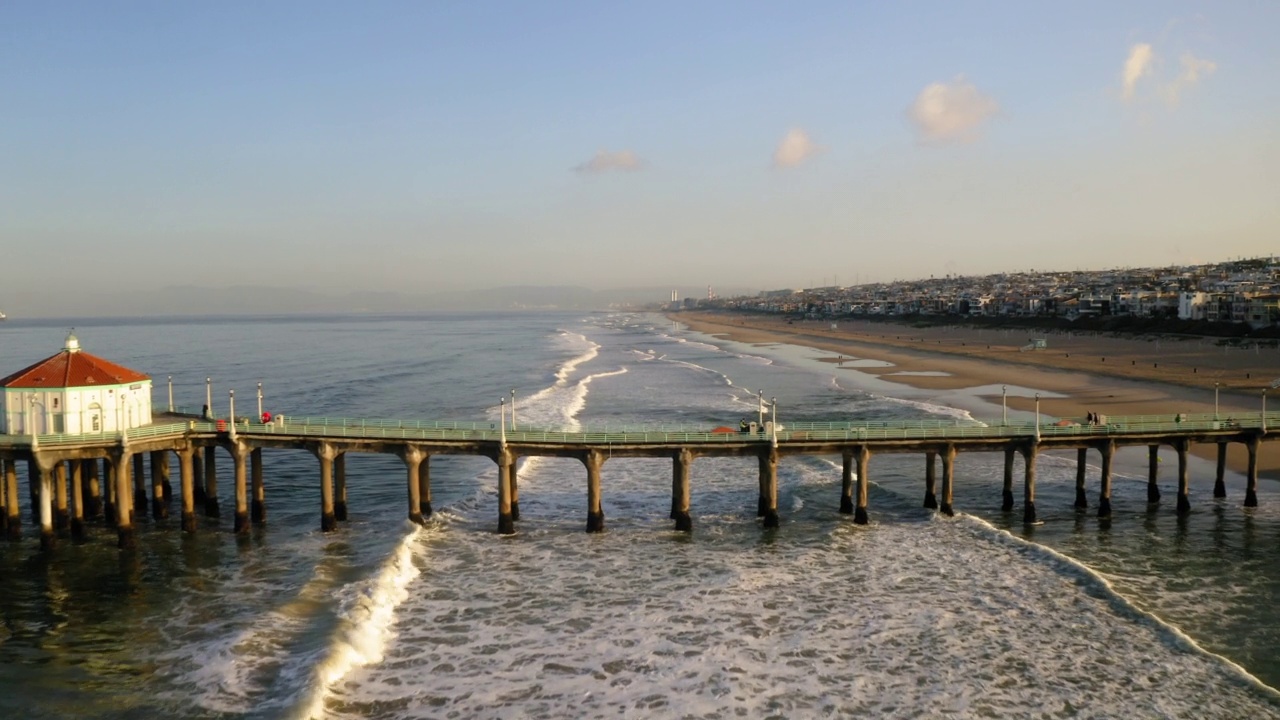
(262, 300)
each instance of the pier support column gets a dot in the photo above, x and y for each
(187, 482)
(93, 488)
(846, 483)
(77, 499)
(13, 528)
(1219, 478)
(239, 454)
(109, 502)
(159, 504)
(44, 480)
(948, 478)
(61, 514)
(680, 491)
(1082, 469)
(166, 487)
(4, 496)
(1108, 450)
(424, 488)
(340, 493)
(1006, 493)
(258, 504)
(1184, 482)
(325, 453)
(197, 475)
(1029, 453)
(864, 479)
(515, 487)
(930, 480)
(412, 457)
(1153, 473)
(506, 526)
(769, 486)
(1251, 474)
(595, 506)
(211, 508)
(125, 539)
(139, 485)
(33, 488)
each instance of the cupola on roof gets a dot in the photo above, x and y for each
(71, 368)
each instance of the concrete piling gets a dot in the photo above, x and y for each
(340, 489)
(125, 538)
(506, 526)
(77, 499)
(159, 505)
(930, 480)
(44, 481)
(864, 480)
(258, 503)
(197, 476)
(948, 479)
(1219, 481)
(595, 507)
(109, 502)
(515, 487)
(412, 458)
(1029, 453)
(61, 514)
(1108, 450)
(93, 489)
(33, 488)
(1006, 493)
(769, 483)
(13, 527)
(211, 508)
(186, 477)
(1251, 474)
(1184, 484)
(424, 488)
(325, 453)
(239, 458)
(139, 485)
(1153, 473)
(1082, 468)
(680, 490)
(846, 483)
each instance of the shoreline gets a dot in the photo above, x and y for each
(956, 359)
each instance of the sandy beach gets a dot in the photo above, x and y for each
(1087, 372)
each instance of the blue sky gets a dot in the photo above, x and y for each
(436, 146)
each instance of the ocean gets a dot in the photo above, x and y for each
(912, 615)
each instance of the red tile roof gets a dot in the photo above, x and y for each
(72, 369)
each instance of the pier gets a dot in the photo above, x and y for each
(74, 479)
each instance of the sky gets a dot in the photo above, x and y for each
(438, 146)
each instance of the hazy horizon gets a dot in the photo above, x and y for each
(447, 148)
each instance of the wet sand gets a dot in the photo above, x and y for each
(1091, 373)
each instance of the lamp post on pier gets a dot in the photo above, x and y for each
(513, 409)
(231, 408)
(773, 419)
(170, 393)
(208, 398)
(259, 401)
(502, 420)
(760, 408)
(1004, 404)
(1037, 417)
(1215, 399)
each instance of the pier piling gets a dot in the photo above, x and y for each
(1153, 473)
(159, 505)
(424, 488)
(44, 481)
(864, 459)
(1108, 450)
(77, 500)
(186, 479)
(769, 482)
(1219, 482)
(1184, 484)
(13, 528)
(139, 484)
(239, 455)
(125, 538)
(1029, 453)
(595, 507)
(33, 488)
(211, 508)
(930, 480)
(326, 454)
(1006, 493)
(93, 489)
(110, 488)
(412, 458)
(1082, 469)
(515, 487)
(948, 479)
(1251, 474)
(680, 491)
(61, 515)
(340, 490)
(258, 503)
(506, 526)
(197, 476)
(846, 483)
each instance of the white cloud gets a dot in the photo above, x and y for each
(1193, 70)
(1136, 66)
(794, 149)
(951, 112)
(605, 161)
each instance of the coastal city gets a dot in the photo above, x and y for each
(1243, 292)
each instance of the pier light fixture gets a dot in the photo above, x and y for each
(231, 418)
(208, 398)
(1215, 399)
(1004, 405)
(773, 419)
(502, 420)
(513, 409)
(760, 408)
(259, 401)
(170, 393)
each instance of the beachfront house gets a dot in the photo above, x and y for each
(74, 392)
